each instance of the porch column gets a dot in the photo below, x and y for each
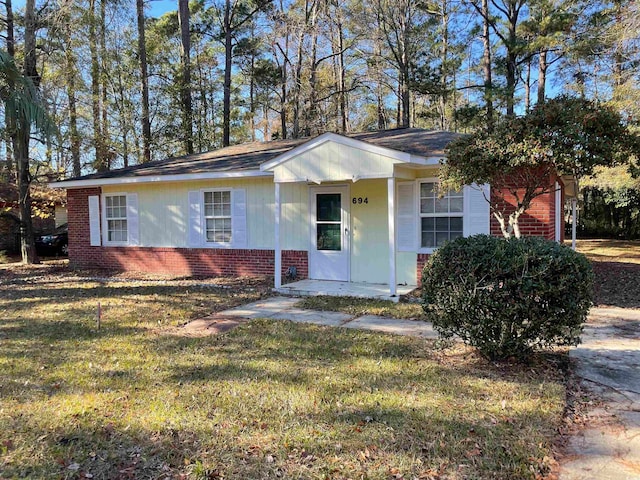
(392, 234)
(277, 274)
(574, 222)
(559, 213)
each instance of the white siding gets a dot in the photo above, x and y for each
(406, 268)
(164, 210)
(295, 230)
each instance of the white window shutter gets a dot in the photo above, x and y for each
(94, 221)
(133, 222)
(239, 218)
(195, 237)
(477, 214)
(406, 218)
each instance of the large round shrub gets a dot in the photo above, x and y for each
(508, 297)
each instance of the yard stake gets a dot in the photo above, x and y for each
(98, 316)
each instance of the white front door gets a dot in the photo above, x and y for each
(329, 251)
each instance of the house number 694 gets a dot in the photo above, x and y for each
(359, 200)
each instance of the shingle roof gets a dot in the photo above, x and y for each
(249, 156)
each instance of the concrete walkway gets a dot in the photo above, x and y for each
(608, 364)
(284, 308)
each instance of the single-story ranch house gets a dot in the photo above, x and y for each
(357, 208)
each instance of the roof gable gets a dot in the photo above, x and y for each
(332, 157)
(339, 140)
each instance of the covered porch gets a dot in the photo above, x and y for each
(348, 224)
(332, 288)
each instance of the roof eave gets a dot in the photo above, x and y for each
(184, 177)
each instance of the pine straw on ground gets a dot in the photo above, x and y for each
(616, 264)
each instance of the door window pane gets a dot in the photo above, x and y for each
(328, 207)
(329, 236)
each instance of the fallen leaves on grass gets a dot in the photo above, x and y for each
(266, 399)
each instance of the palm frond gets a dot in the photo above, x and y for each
(21, 99)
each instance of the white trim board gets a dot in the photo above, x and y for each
(97, 182)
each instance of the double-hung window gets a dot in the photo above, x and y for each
(116, 218)
(217, 216)
(440, 217)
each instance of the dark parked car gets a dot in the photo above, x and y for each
(55, 243)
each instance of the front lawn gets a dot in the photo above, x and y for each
(269, 399)
(363, 306)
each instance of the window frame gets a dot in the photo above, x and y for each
(203, 217)
(105, 219)
(420, 215)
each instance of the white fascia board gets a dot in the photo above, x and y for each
(340, 139)
(435, 160)
(353, 179)
(426, 161)
(186, 177)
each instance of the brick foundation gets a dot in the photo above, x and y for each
(188, 261)
(422, 259)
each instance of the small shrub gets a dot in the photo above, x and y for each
(508, 297)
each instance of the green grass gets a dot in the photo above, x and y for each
(363, 306)
(266, 400)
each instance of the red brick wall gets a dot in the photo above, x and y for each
(539, 220)
(422, 259)
(177, 261)
(80, 251)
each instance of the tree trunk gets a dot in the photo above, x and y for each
(380, 105)
(106, 143)
(527, 88)
(228, 52)
(343, 102)
(23, 135)
(406, 96)
(312, 111)
(486, 64)
(252, 89)
(185, 80)
(284, 93)
(144, 83)
(444, 70)
(283, 99)
(297, 86)
(124, 120)
(513, 11)
(99, 162)
(70, 76)
(542, 76)
(8, 120)
(399, 101)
